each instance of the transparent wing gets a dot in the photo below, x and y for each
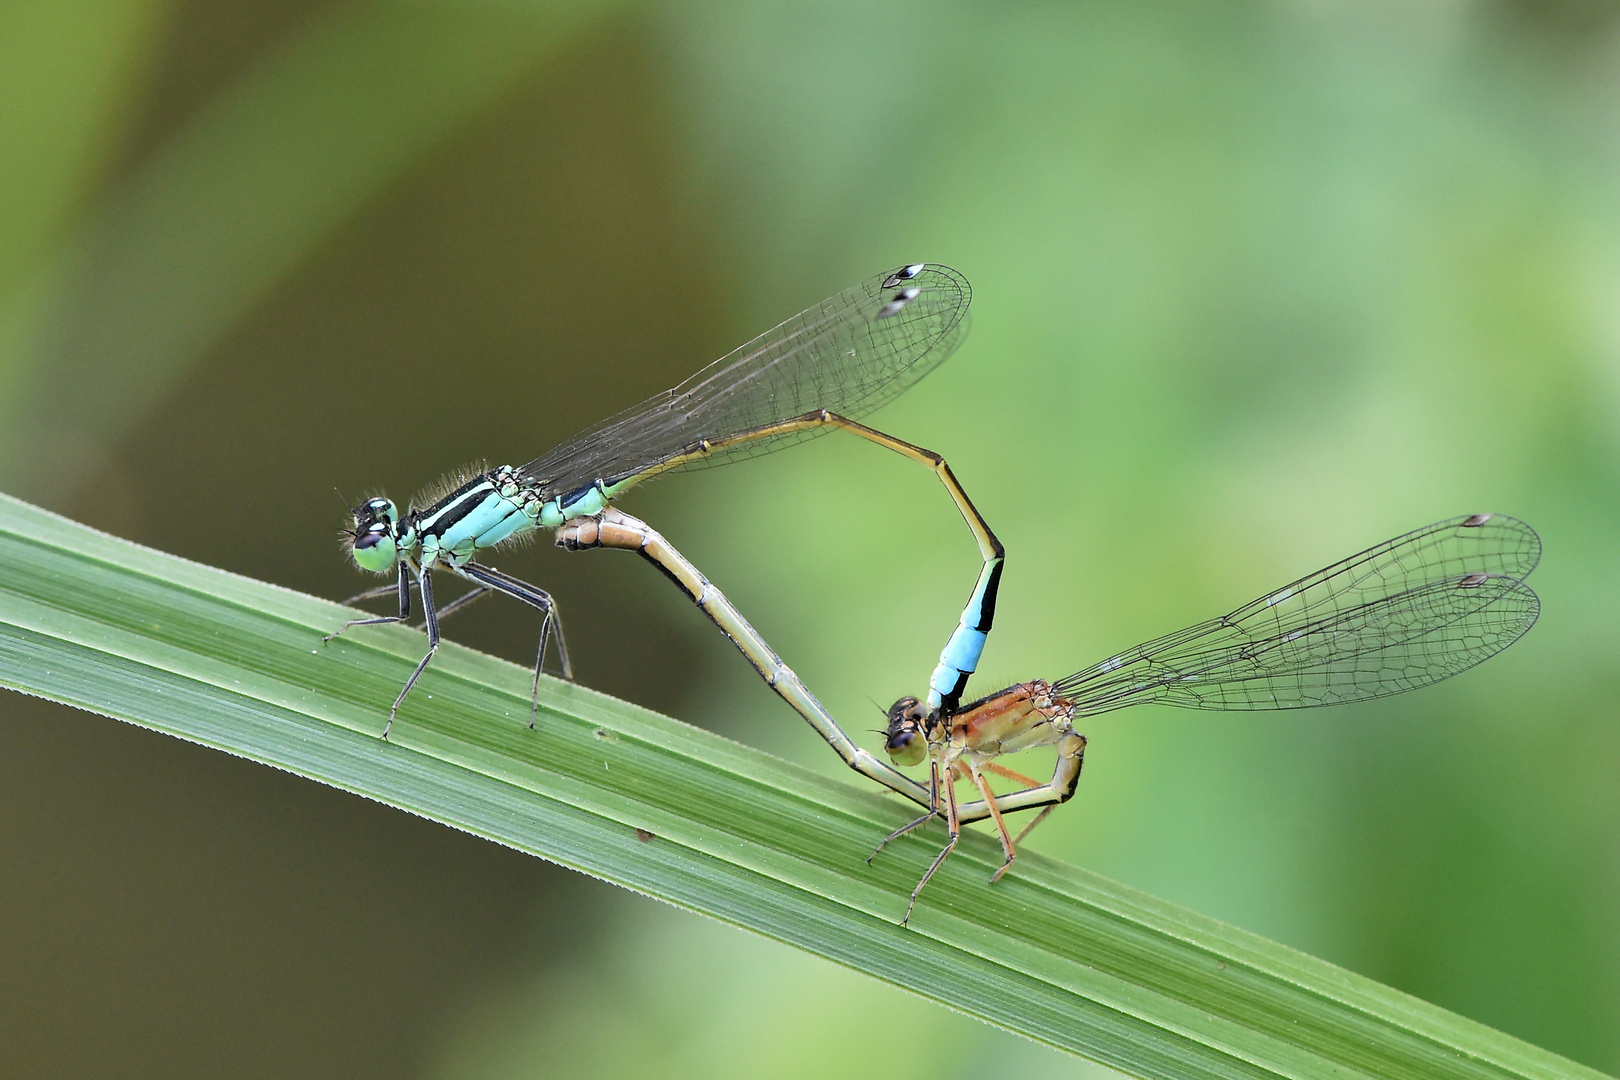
(1407, 613)
(850, 354)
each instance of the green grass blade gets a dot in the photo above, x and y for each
(1051, 952)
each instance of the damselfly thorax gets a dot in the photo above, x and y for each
(1020, 717)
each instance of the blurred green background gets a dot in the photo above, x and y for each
(1257, 285)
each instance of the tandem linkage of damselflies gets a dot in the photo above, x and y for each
(817, 372)
(1402, 615)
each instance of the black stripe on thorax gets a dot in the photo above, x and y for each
(442, 515)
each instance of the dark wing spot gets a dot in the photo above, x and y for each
(901, 299)
(905, 273)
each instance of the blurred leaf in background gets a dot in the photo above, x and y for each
(1256, 286)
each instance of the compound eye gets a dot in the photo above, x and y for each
(906, 746)
(373, 511)
(907, 708)
(904, 739)
(375, 549)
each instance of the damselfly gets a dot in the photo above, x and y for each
(843, 358)
(1407, 613)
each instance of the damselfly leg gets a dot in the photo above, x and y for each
(484, 579)
(424, 583)
(445, 610)
(550, 621)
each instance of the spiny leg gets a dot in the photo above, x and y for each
(404, 590)
(462, 601)
(425, 583)
(1027, 829)
(901, 831)
(953, 829)
(613, 528)
(933, 812)
(968, 770)
(535, 597)
(491, 578)
(1065, 778)
(995, 813)
(370, 594)
(1029, 781)
(444, 612)
(988, 766)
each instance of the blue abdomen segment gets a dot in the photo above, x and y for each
(960, 656)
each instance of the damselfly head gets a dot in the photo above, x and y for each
(371, 541)
(906, 739)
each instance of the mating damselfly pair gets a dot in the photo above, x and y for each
(1404, 614)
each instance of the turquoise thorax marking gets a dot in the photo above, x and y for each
(492, 518)
(494, 507)
(486, 511)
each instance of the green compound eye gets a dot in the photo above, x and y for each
(373, 544)
(903, 738)
(907, 747)
(374, 549)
